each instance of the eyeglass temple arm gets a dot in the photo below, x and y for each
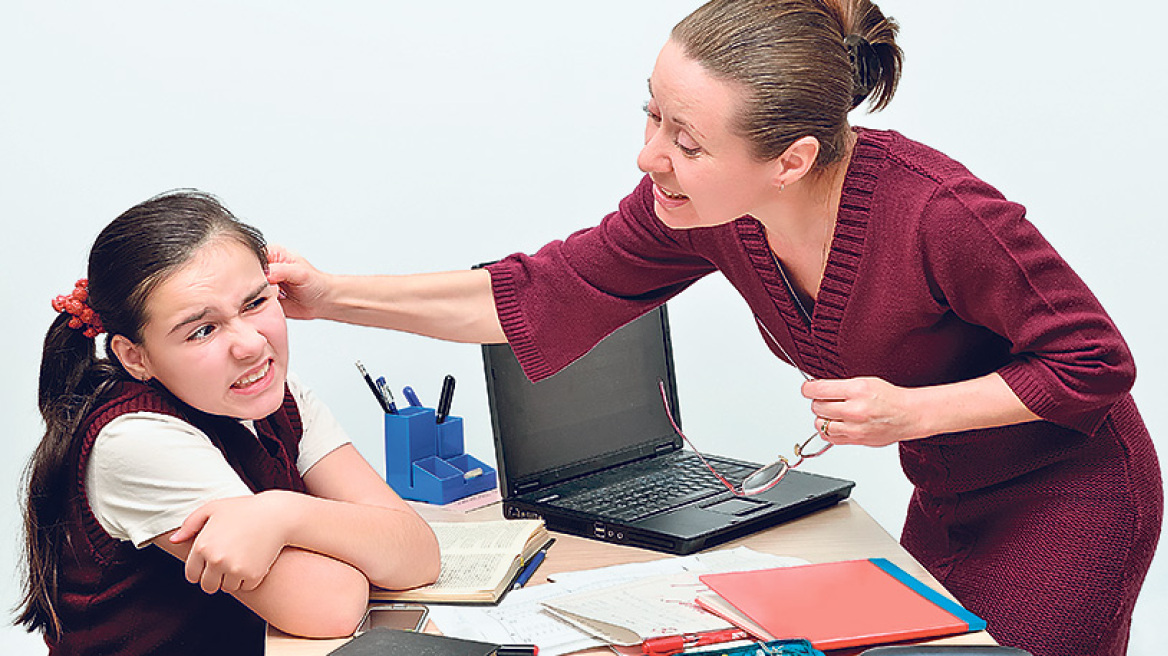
(677, 429)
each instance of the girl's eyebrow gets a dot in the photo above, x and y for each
(258, 292)
(199, 315)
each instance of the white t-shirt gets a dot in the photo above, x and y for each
(149, 471)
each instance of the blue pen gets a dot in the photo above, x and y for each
(411, 397)
(531, 566)
(383, 389)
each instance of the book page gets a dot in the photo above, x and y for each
(477, 557)
(504, 535)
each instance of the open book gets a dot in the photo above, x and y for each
(480, 561)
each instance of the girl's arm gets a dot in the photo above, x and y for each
(269, 549)
(304, 593)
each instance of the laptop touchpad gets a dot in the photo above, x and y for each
(737, 506)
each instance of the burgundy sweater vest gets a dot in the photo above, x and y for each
(116, 599)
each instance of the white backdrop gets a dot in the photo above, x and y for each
(398, 137)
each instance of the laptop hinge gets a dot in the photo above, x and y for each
(528, 486)
(664, 448)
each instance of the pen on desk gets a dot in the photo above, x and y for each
(373, 387)
(445, 399)
(386, 394)
(677, 643)
(411, 397)
(517, 650)
(531, 565)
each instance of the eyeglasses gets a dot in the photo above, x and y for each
(763, 478)
(767, 476)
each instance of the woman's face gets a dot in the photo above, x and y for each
(215, 334)
(703, 173)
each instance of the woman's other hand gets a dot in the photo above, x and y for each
(873, 412)
(865, 411)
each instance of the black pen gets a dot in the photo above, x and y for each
(517, 650)
(445, 399)
(373, 387)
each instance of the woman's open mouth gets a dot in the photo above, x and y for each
(668, 199)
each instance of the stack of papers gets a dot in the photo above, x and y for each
(622, 604)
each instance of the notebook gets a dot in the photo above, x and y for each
(392, 642)
(854, 603)
(589, 449)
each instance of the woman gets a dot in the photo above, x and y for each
(187, 488)
(929, 311)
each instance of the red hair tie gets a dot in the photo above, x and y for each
(75, 304)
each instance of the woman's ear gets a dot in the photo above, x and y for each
(132, 356)
(796, 161)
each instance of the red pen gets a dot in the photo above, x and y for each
(675, 644)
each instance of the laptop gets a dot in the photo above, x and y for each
(591, 451)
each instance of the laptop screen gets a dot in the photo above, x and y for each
(601, 410)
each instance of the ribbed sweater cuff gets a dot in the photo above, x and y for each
(1034, 393)
(518, 332)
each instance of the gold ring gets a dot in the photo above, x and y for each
(826, 423)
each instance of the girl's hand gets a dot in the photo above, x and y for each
(303, 288)
(236, 541)
(865, 411)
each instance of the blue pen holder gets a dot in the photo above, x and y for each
(424, 460)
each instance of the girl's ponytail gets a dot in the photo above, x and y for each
(72, 380)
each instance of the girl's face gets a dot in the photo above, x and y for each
(215, 335)
(703, 173)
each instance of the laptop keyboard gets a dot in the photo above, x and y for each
(682, 480)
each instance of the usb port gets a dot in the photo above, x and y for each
(598, 530)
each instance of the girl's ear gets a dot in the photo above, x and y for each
(132, 356)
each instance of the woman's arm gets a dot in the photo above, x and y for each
(457, 305)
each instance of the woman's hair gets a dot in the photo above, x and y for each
(803, 65)
(129, 259)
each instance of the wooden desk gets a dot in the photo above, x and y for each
(842, 532)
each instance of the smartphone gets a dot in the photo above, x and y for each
(407, 617)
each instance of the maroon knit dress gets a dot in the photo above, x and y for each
(1046, 529)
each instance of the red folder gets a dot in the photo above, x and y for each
(853, 603)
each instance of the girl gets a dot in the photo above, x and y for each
(929, 310)
(187, 488)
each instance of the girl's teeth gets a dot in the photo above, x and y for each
(253, 378)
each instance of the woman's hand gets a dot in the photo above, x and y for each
(865, 411)
(874, 412)
(236, 541)
(303, 288)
